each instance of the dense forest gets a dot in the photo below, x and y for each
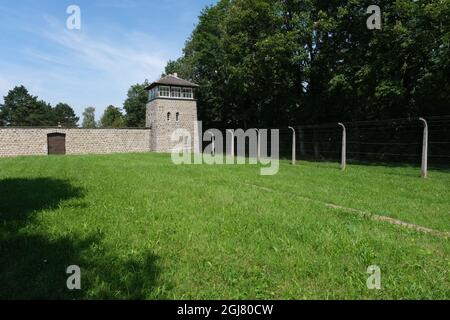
(269, 63)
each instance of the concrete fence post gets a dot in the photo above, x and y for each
(232, 142)
(344, 147)
(258, 155)
(424, 168)
(293, 146)
(213, 144)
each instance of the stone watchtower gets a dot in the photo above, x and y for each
(171, 106)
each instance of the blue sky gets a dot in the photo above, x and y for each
(121, 42)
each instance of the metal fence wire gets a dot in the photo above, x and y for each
(396, 141)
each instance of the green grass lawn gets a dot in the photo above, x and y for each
(141, 227)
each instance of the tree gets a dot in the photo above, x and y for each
(274, 63)
(246, 61)
(65, 116)
(89, 118)
(112, 118)
(180, 67)
(135, 105)
(22, 109)
(204, 62)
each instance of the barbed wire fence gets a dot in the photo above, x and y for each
(387, 142)
(393, 141)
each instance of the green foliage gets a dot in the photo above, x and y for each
(135, 104)
(65, 116)
(178, 67)
(140, 227)
(269, 63)
(22, 109)
(89, 118)
(112, 118)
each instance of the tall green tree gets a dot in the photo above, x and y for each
(135, 104)
(65, 116)
(22, 109)
(276, 62)
(203, 62)
(89, 118)
(112, 118)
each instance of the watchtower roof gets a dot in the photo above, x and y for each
(172, 80)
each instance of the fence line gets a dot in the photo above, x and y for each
(389, 141)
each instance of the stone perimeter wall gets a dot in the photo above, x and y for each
(33, 141)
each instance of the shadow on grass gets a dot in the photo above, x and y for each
(33, 264)
(20, 198)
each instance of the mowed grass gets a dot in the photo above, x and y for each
(140, 227)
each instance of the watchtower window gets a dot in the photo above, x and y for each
(171, 87)
(164, 91)
(175, 92)
(152, 93)
(187, 93)
(168, 116)
(177, 116)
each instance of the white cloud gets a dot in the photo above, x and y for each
(84, 68)
(132, 55)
